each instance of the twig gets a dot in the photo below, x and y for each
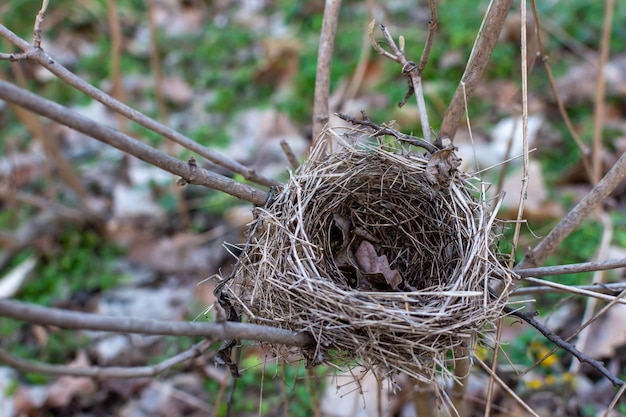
(575, 217)
(572, 268)
(481, 52)
(85, 321)
(462, 366)
(324, 65)
(573, 290)
(592, 290)
(38, 22)
(568, 123)
(43, 59)
(409, 69)
(504, 386)
(433, 23)
(105, 372)
(598, 277)
(291, 157)
(524, 191)
(557, 340)
(599, 108)
(383, 130)
(191, 174)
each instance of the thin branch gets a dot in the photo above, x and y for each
(324, 65)
(39, 56)
(85, 321)
(555, 92)
(524, 191)
(38, 22)
(594, 289)
(574, 290)
(105, 372)
(433, 23)
(599, 107)
(291, 157)
(409, 70)
(190, 173)
(383, 130)
(557, 340)
(576, 216)
(479, 58)
(572, 268)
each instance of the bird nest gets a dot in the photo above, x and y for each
(383, 255)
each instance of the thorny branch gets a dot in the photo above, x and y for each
(383, 130)
(191, 174)
(37, 55)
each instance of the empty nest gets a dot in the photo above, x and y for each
(384, 258)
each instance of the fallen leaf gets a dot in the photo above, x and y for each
(376, 267)
(66, 388)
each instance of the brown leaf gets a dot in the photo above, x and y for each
(376, 267)
(441, 166)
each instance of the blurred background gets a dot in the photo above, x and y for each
(85, 227)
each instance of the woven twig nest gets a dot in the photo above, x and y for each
(384, 258)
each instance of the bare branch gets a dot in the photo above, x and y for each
(383, 130)
(191, 174)
(409, 70)
(576, 216)
(432, 29)
(479, 58)
(324, 65)
(39, 56)
(599, 112)
(105, 372)
(38, 22)
(584, 149)
(86, 321)
(613, 288)
(576, 290)
(572, 268)
(557, 340)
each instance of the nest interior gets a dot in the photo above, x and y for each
(383, 265)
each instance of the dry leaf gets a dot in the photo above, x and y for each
(441, 166)
(376, 267)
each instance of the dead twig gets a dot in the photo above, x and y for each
(575, 217)
(39, 56)
(557, 340)
(85, 321)
(383, 130)
(106, 371)
(324, 65)
(409, 69)
(191, 174)
(572, 268)
(595, 289)
(481, 52)
(584, 149)
(599, 107)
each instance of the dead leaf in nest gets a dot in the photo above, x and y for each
(341, 244)
(376, 267)
(441, 166)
